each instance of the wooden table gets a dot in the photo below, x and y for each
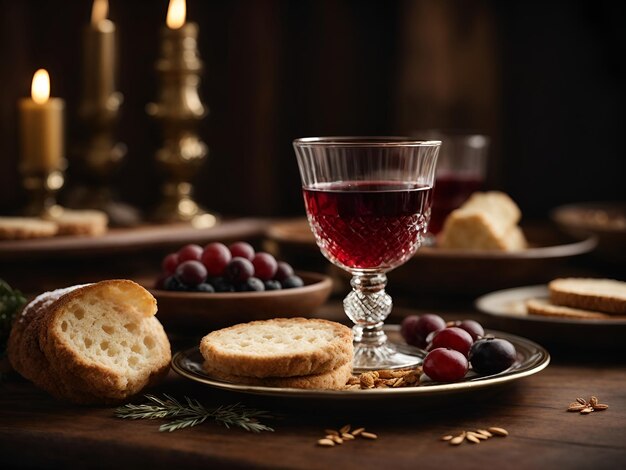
(37, 431)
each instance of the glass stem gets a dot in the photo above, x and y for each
(367, 306)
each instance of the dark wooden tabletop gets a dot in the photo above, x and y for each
(37, 431)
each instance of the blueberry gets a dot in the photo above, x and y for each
(174, 284)
(204, 287)
(221, 285)
(272, 285)
(492, 355)
(293, 281)
(252, 284)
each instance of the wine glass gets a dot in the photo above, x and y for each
(368, 203)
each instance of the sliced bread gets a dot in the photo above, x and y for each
(20, 228)
(282, 347)
(602, 295)
(546, 308)
(79, 222)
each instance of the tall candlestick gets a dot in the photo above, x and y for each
(42, 144)
(179, 109)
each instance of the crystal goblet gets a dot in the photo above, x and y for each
(368, 202)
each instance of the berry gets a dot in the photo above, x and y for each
(417, 330)
(169, 264)
(272, 285)
(173, 283)
(264, 266)
(160, 282)
(191, 273)
(215, 258)
(445, 365)
(189, 253)
(252, 284)
(473, 328)
(239, 270)
(407, 328)
(204, 287)
(453, 338)
(292, 281)
(242, 249)
(221, 285)
(492, 355)
(283, 271)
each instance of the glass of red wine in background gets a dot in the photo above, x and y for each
(460, 172)
(368, 203)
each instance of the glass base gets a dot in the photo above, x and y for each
(385, 356)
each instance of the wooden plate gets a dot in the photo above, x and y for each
(184, 310)
(508, 311)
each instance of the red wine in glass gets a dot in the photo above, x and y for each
(368, 225)
(451, 191)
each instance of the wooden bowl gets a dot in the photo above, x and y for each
(185, 310)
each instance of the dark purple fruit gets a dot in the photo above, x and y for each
(272, 285)
(283, 271)
(492, 355)
(173, 283)
(205, 287)
(191, 272)
(453, 338)
(239, 270)
(292, 281)
(221, 285)
(445, 365)
(418, 328)
(252, 284)
(473, 328)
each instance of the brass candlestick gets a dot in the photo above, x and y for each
(179, 109)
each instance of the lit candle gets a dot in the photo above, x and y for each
(176, 14)
(99, 61)
(41, 128)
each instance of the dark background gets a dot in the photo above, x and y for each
(546, 80)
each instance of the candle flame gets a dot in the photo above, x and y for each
(176, 14)
(99, 11)
(40, 89)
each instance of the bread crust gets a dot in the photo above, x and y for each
(21, 228)
(80, 222)
(292, 363)
(39, 353)
(335, 379)
(547, 308)
(581, 293)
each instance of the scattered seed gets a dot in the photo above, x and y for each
(344, 429)
(593, 401)
(446, 438)
(484, 432)
(586, 411)
(600, 407)
(472, 438)
(325, 443)
(477, 435)
(357, 431)
(455, 441)
(346, 436)
(331, 432)
(576, 407)
(337, 440)
(582, 401)
(499, 431)
(369, 435)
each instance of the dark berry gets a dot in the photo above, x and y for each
(492, 355)
(417, 328)
(215, 258)
(221, 285)
(204, 287)
(283, 271)
(160, 282)
(191, 273)
(264, 266)
(445, 365)
(253, 284)
(173, 283)
(272, 285)
(189, 253)
(169, 264)
(242, 249)
(239, 270)
(292, 281)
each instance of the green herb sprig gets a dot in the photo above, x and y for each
(11, 302)
(192, 413)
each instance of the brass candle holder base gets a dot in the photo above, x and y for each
(41, 188)
(177, 205)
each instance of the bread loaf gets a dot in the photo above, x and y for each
(98, 343)
(282, 347)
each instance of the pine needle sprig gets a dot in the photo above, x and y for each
(192, 412)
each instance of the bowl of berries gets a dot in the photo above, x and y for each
(221, 285)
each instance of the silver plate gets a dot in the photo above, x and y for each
(531, 358)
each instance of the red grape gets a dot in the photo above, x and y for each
(264, 266)
(169, 264)
(242, 249)
(215, 258)
(420, 329)
(283, 271)
(239, 270)
(189, 252)
(191, 272)
(445, 365)
(407, 329)
(453, 338)
(473, 328)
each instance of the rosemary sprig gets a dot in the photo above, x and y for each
(11, 302)
(193, 413)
